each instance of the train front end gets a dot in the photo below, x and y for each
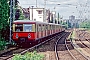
(24, 32)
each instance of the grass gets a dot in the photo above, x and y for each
(28, 56)
(89, 30)
(73, 35)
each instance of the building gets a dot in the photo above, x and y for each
(53, 16)
(73, 22)
(48, 15)
(72, 17)
(37, 14)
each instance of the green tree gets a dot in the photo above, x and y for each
(4, 22)
(85, 24)
(21, 15)
(4, 15)
(18, 11)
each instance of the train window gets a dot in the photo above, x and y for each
(27, 27)
(33, 28)
(39, 27)
(13, 27)
(43, 27)
(46, 27)
(52, 26)
(18, 27)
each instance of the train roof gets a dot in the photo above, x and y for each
(29, 21)
(32, 22)
(53, 24)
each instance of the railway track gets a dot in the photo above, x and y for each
(8, 50)
(56, 49)
(71, 53)
(22, 51)
(68, 50)
(81, 44)
(76, 55)
(48, 49)
(84, 46)
(84, 41)
(9, 54)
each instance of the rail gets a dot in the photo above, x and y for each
(32, 47)
(56, 53)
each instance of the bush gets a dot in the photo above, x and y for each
(2, 44)
(28, 56)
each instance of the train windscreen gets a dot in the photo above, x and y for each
(18, 27)
(27, 27)
(23, 27)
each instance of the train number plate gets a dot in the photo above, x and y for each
(22, 39)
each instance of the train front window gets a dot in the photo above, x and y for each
(27, 27)
(18, 27)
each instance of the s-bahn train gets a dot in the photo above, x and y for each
(33, 32)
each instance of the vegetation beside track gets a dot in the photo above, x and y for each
(3, 44)
(85, 24)
(4, 22)
(28, 56)
(73, 35)
(88, 30)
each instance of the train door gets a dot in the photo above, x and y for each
(46, 30)
(43, 30)
(36, 31)
(39, 29)
(50, 30)
(55, 29)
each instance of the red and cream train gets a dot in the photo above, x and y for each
(33, 32)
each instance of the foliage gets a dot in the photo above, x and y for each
(2, 44)
(28, 56)
(64, 23)
(4, 14)
(16, 3)
(21, 15)
(4, 24)
(85, 24)
(73, 35)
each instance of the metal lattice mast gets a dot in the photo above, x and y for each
(13, 10)
(44, 10)
(11, 18)
(36, 3)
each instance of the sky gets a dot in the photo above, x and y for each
(65, 8)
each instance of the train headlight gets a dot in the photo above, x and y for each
(29, 35)
(16, 35)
